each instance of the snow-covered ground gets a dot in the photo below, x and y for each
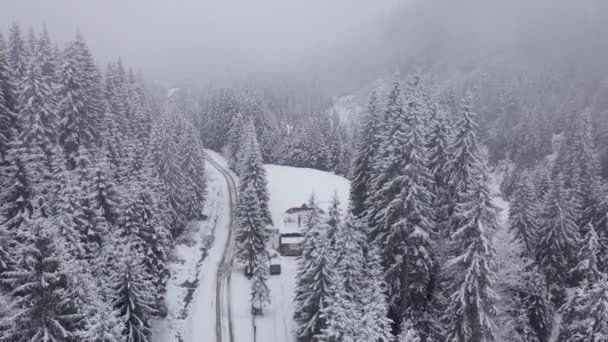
(292, 186)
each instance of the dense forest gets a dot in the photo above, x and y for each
(96, 180)
(478, 166)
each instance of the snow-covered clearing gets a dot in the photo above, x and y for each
(290, 187)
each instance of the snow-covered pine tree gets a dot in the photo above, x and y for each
(48, 62)
(385, 162)
(358, 308)
(102, 323)
(18, 192)
(193, 167)
(522, 215)
(558, 238)
(77, 129)
(112, 90)
(45, 310)
(17, 52)
(37, 119)
(375, 321)
(7, 103)
(438, 140)
(313, 291)
(134, 294)
(164, 155)
(342, 316)
(333, 219)
(408, 218)
(113, 142)
(465, 156)
(7, 244)
(8, 83)
(260, 292)
(103, 191)
(584, 314)
(408, 332)
(587, 258)
(367, 147)
(470, 313)
(69, 210)
(91, 84)
(252, 172)
(252, 233)
(154, 234)
(235, 140)
(312, 232)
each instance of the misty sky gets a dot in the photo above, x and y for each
(210, 36)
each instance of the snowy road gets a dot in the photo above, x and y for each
(223, 314)
(198, 301)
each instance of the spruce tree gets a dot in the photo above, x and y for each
(252, 233)
(235, 142)
(91, 84)
(17, 52)
(103, 192)
(333, 220)
(314, 288)
(260, 293)
(312, 231)
(165, 154)
(470, 313)
(252, 173)
(18, 195)
(375, 321)
(522, 216)
(77, 131)
(7, 103)
(37, 117)
(587, 266)
(367, 148)
(585, 314)
(438, 141)
(385, 163)
(408, 218)
(134, 293)
(45, 309)
(102, 323)
(558, 238)
(193, 166)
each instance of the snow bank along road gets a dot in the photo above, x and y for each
(223, 321)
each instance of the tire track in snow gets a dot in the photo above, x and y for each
(223, 315)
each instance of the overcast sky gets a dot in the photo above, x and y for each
(174, 36)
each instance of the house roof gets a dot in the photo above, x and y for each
(292, 239)
(302, 208)
(294, 210)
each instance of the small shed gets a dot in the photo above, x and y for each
(290, 244)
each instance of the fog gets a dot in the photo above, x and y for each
(338, 45)
(174, 40)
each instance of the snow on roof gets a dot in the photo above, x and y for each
(304, 207)
(292, 240)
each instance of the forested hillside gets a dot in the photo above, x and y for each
(95, 183)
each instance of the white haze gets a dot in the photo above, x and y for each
(332, 46)
(200, 38)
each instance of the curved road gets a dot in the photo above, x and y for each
(223, 315)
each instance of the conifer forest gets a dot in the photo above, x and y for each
(304, 171)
